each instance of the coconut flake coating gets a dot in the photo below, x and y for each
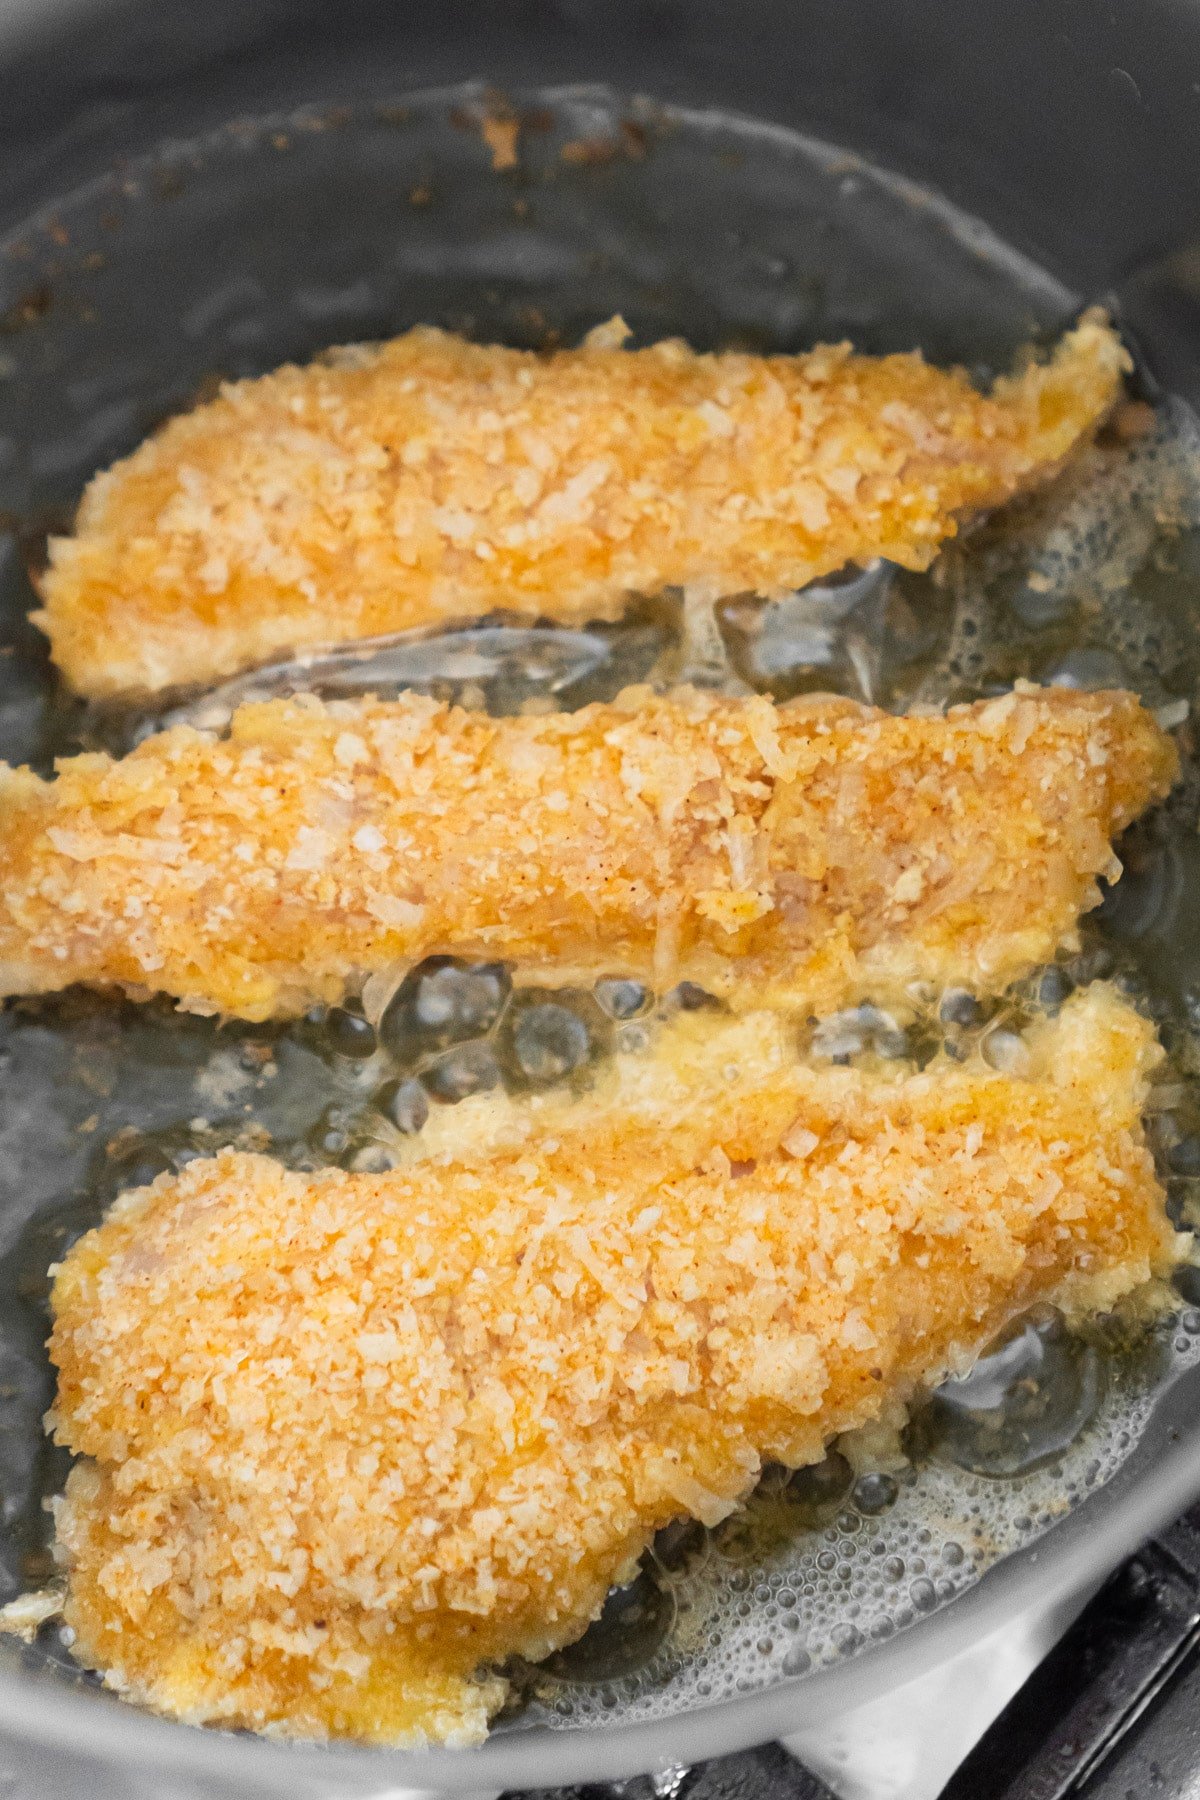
(429, 479)
(356, 1438)
(803, 854)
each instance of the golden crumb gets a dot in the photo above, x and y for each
(500, 134)
(807, 854)
(354, 1439)
(428, 479)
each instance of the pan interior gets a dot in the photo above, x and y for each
(276, 237)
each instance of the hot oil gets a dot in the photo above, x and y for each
(825, 1561)
(1093, 584)
(1022, 1406)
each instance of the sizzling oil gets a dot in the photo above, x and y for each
(829, 1559)
(1093, 584)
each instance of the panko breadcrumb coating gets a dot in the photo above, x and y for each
(801, 855)
(354, 1439)
(804, 854)
(428, 480)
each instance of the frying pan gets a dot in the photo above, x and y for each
(187, 192)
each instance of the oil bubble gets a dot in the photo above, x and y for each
(348, 1033)
(632, 1626)
(621, 998)
(923, 1594)
(547, 1038)
(549, 1041)
(960, 1007)
(403, 1104)
(1022, 1405)
(874, 1493)
(331, 1134)
(372, 1159)
(443, 1001)
(683, 1547)
(1006, 1051)
(1053, 988)
(829, 634)
(815, 1491)
(855, 1030)
(466, 1070)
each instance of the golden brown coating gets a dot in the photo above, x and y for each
(805, 855)
(428, 479)
(356, 1437)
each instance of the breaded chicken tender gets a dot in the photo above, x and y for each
(428, 480)
(802, 855)
(354, 1439)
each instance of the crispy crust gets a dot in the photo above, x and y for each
(356, 1436)
(803, 855)
(429, 479)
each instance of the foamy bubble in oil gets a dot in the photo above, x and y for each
(1097, 528)
(773, 1600)
(1089, 584)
